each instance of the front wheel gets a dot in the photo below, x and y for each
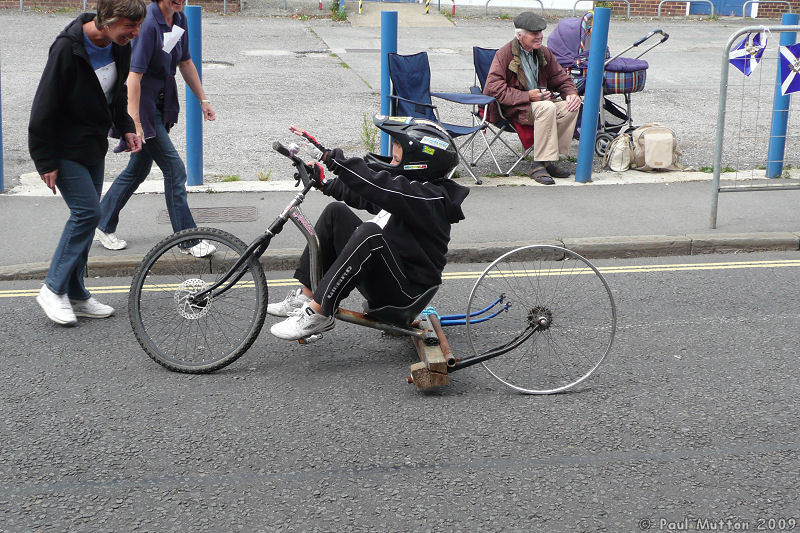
(553, 319)
(196, 336)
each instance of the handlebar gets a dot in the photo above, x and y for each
(303, 170)
(665, 36)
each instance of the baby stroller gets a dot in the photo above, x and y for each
(569, 43)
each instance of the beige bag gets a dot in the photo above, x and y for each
(655, 147)
(619, 153)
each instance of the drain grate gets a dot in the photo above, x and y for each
(247, 213)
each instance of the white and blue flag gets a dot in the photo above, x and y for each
(790, 66)
(748, 53)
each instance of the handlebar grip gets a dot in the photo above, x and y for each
(281, 149)
(643, 39)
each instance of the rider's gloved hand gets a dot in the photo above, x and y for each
(330, 155)
(317, 176)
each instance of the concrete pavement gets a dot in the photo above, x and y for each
(323, 76)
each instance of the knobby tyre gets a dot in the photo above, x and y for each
(196, 337)
(558, 314)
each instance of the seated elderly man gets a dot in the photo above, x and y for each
(533, 89)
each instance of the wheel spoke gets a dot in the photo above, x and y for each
(563, 295)
(196, 336)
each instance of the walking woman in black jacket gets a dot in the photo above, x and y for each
(81, 95)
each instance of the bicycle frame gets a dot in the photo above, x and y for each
(293, 212)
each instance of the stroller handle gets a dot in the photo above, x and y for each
(664, 37)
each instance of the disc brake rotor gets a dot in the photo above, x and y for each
(190, 309)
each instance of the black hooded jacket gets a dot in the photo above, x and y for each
(415, 216)
(70, 118)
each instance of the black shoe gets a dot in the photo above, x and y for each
(557, 171)
(540, 175)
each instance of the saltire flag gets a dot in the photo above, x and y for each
(790, 66)
(748, 53)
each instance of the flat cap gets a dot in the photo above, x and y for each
(530, 21)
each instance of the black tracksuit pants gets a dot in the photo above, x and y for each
(355, 255)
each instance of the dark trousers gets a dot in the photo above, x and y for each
(80, 186)
(161, 150)
(355, 255)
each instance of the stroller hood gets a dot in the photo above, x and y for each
(565, 42)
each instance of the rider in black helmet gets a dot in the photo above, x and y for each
(398, 254)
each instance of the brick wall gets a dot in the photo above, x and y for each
(649, 8)
(58, 5)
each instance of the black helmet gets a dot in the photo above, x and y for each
(429, 153)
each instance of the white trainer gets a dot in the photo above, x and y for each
(201, 249)
(302, 323)
(109, 241)
(293, 301)
(91, 308)
(56, 307)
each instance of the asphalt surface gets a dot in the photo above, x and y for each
(691, 417)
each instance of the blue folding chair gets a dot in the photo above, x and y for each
(482, 59)
(411, 97)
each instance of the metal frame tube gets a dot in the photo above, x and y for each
(194, 114)
(593, 94)
(721, 109)
(388, 46)
(780, 108)
(744, 6)
(687, 2)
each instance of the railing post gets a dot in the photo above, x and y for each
(388, 45)
(593, 93)
(194, 114)
(780, 107)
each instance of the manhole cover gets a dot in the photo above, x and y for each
(246, 213)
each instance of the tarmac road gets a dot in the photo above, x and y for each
(692, 416)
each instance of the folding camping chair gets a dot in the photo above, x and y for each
(411, 97)
(482, 59)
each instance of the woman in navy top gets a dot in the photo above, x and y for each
(80, 96)
(161, 48)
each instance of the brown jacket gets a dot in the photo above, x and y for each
(506, 82)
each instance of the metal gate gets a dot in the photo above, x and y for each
(747, 115)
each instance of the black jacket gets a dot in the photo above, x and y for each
(70, 118)
(419, 214)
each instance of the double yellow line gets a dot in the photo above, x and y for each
(629, 269)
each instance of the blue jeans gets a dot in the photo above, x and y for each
(80, 187)
(161, 150)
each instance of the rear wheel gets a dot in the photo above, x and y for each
(196, 336)
(555, 320)
(602, 142)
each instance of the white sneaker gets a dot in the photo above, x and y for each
(109, 241)
(302, 323)
(91, 308)
(201, 249)
(56, 307)
(293, 301)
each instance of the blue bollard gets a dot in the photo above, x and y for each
(780, 108)
(194, 115)
(593, 93)
(341, 5)
(2, 187)
(388, 45)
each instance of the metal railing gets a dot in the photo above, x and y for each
(486, 7)
(744, 7)
(575, 6)
(686, 2)
(721, 110)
